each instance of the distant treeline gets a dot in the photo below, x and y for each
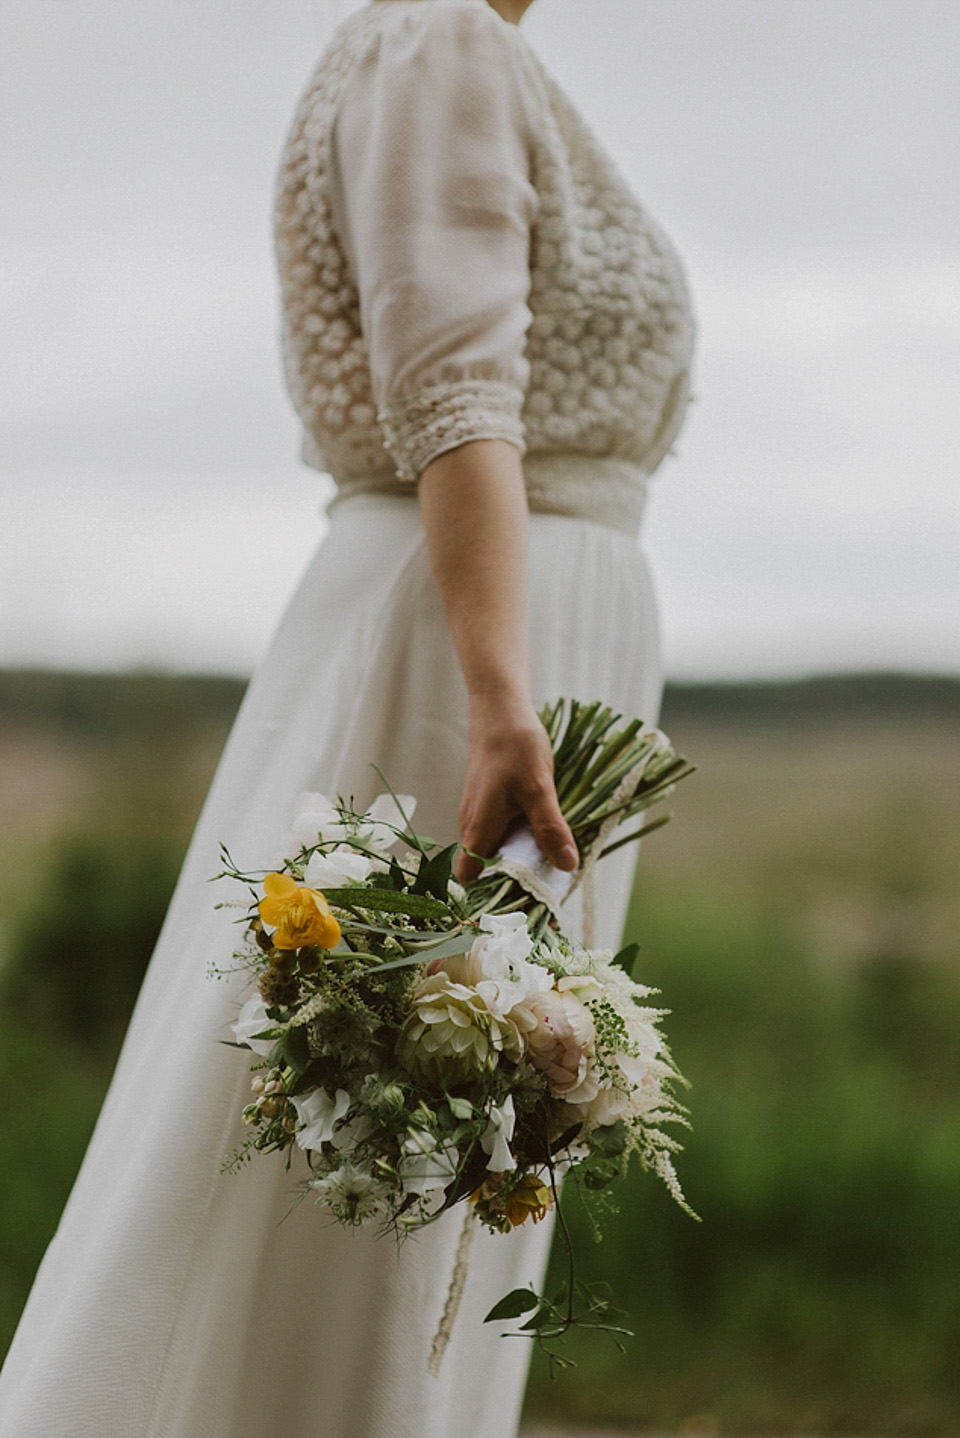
(99, 704)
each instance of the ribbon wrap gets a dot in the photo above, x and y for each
(522, 859)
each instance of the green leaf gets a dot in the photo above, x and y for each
(637, 834)
(519, 1301)
(627, 957)
(567, 1137)
(597, 1176)
(609, 1140)
(546, 1316)
(457, 944)
(405, 963)
(398, 879)
(435, 873)
(295, 1047)
(418, 906)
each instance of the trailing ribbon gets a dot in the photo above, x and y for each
(458, 1283)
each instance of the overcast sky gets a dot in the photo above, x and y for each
(802, 153)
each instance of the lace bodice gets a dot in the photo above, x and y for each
(459, 259)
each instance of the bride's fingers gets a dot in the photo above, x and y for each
(486, 821)
(482, 830)
(550, 829)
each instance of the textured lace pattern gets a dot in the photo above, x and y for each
(442, 416)
(610, 341)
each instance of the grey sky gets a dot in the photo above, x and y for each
(802, 154)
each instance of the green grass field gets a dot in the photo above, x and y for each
(800, 916)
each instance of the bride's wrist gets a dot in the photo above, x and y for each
(501, 704)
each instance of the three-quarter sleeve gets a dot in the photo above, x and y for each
(430, 191)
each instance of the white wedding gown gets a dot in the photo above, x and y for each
(176, 1302)
(437, 182)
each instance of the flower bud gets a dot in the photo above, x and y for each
(308, 960)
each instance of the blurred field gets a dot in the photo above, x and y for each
(801, 917)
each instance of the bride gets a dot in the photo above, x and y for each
(487, 341)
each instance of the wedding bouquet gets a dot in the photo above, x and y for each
(428, 1043)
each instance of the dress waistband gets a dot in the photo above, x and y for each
(598, 488)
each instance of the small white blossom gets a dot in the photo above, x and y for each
(506, 979)
(426, 1164)
(314, 818)
(496, 1138)
(384, 816)
(251, 1021)
(336, 870)
(317, 820)
(353, 1194)
(319, 1114)
(349, 1134)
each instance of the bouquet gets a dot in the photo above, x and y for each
(429, 1044)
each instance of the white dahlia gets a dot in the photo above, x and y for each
(451, 1034)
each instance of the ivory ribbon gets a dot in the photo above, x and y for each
(458, 1283)
(522, 859)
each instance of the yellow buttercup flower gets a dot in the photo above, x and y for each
(301, 915)
(530, 1199)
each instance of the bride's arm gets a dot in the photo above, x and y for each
(475, 515)
(432, 195)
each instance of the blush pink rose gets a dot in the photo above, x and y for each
(561, 1044)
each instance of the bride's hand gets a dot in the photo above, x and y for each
(510, 778)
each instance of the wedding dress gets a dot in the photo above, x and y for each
(546, 308)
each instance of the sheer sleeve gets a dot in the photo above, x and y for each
(430, 190)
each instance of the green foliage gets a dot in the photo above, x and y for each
(819, 1292)
(76, 963)
(99, 706)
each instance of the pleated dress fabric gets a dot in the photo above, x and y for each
(178, 1302)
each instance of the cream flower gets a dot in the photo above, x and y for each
(253, 1020)
(316, 818)
(451, 1034)
(636, 1091)
(508, 938)
(426, 1164)
(562, 1045)
(496, 1138)
(498, 968)
(319, 1113)
(583, 987)
(336, 870)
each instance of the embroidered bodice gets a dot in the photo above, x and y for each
(460, 259)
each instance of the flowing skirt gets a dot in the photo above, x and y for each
(177, 1302)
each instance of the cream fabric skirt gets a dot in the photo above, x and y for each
(176, 1302)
